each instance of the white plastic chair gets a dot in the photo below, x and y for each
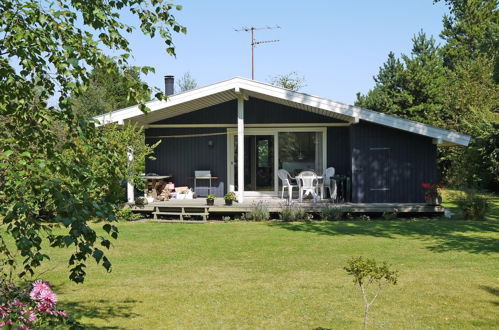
(328, 183)
(308, 183)
(286, 183)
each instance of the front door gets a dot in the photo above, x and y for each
(259, 167)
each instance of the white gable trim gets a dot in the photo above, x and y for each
(254, 88)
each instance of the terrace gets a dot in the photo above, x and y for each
(197, 209)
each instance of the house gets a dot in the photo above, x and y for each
(243, 131)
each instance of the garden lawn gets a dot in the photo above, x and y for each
(287, 275)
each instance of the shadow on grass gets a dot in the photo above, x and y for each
(100, 309)
(493, 291)
(474, 237)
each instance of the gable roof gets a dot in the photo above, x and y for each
(227, 90)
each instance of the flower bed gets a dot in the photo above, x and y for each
(31, 306)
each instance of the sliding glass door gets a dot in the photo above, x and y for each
(258, 163)
(266, 150)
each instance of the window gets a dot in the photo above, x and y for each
(300, 151)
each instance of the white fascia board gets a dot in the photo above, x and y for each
(134, 111)
(358, 113)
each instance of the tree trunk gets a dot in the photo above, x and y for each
(366, 318)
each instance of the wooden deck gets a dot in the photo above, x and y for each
(198, 208)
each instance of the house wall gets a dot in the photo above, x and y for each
(385, 164)
(389, 165)
(338, 150)
(180, 157)
(258, 111)
(224, 113)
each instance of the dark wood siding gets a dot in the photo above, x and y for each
(224, 113)
(389, 165)
(338, 150)
(256, 111)
(182, 156)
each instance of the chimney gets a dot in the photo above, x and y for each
(169, 84)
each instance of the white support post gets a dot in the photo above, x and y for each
(129, 185)
(240, 148)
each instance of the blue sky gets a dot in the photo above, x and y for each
(336, 45)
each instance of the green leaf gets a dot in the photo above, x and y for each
(67, 221)
(107, 227)
(106, 243)
(98, 254)
(106, 263)
(68, 240)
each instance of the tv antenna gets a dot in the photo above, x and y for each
(254, 42)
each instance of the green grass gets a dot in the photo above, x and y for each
(287, 275)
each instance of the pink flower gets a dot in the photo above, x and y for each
(4, 312)
(42, 292)
(39, 286)
(63, 314)
(32, 317)
(47, 297)
(43, 307)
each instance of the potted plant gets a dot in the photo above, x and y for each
(229, 198)
(210, 199)
(432, 193)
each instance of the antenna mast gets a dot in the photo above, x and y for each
(254, 42)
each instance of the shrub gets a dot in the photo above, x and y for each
(390, 215)
(291, 212)
(259, 212)
(126, 214)
(33, 306)
(331, 213)
(367, 273)
(473, 206)
(287, 213)
(301, 214)
(363, 217)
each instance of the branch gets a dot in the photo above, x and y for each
(364, 295)
(380, 286)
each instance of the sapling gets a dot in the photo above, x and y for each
(371, 279)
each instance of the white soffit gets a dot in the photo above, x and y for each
(226, 90)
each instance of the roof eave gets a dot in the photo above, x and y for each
(346, 112)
